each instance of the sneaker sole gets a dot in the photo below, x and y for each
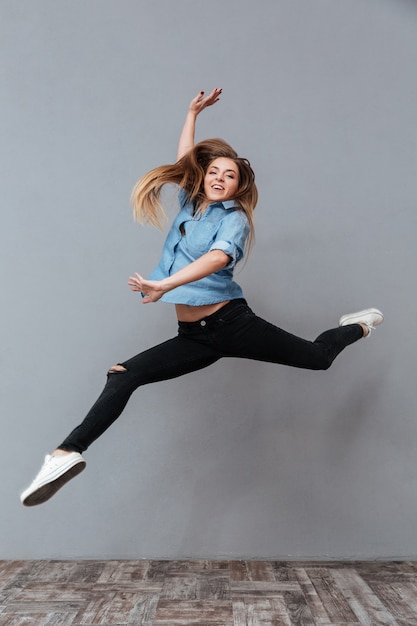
(43, 493)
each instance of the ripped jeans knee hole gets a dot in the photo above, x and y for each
(117, 369)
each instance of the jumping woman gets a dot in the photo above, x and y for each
(209, 236)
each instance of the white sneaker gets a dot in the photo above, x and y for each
(369, 317)
(54, 473)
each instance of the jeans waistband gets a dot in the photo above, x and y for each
(214, 316)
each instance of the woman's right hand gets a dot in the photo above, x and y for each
(152, 290)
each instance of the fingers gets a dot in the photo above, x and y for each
(201, 101)
(198, 98)
(149, 289)
(135, 282)
(214, 96)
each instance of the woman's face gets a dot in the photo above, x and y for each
(221, 181)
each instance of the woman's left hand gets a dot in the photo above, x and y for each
(151, 289)
(201, 101)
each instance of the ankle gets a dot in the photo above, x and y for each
(59, 452)
(365, 329)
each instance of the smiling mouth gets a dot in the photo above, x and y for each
(217, 188)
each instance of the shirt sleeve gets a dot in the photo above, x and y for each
(231, 237)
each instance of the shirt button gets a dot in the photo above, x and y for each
(203, 323)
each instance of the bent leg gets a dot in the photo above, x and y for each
(173, 358)
(252, 337)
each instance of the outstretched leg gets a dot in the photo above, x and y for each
(173, 358)
(270, 343)
(170, 359)
(241, 333)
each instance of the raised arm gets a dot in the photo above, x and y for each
(197, 104)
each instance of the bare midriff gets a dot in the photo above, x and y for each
(187, 313)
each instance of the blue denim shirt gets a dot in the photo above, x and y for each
(223, 226)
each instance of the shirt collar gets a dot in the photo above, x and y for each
(227, 204)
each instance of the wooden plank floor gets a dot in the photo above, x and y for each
(207, 593)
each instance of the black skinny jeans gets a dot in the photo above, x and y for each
(233, 331)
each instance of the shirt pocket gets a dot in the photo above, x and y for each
(200, 236)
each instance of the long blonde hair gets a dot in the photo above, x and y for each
(189, 174)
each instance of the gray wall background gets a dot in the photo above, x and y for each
(243, 459)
